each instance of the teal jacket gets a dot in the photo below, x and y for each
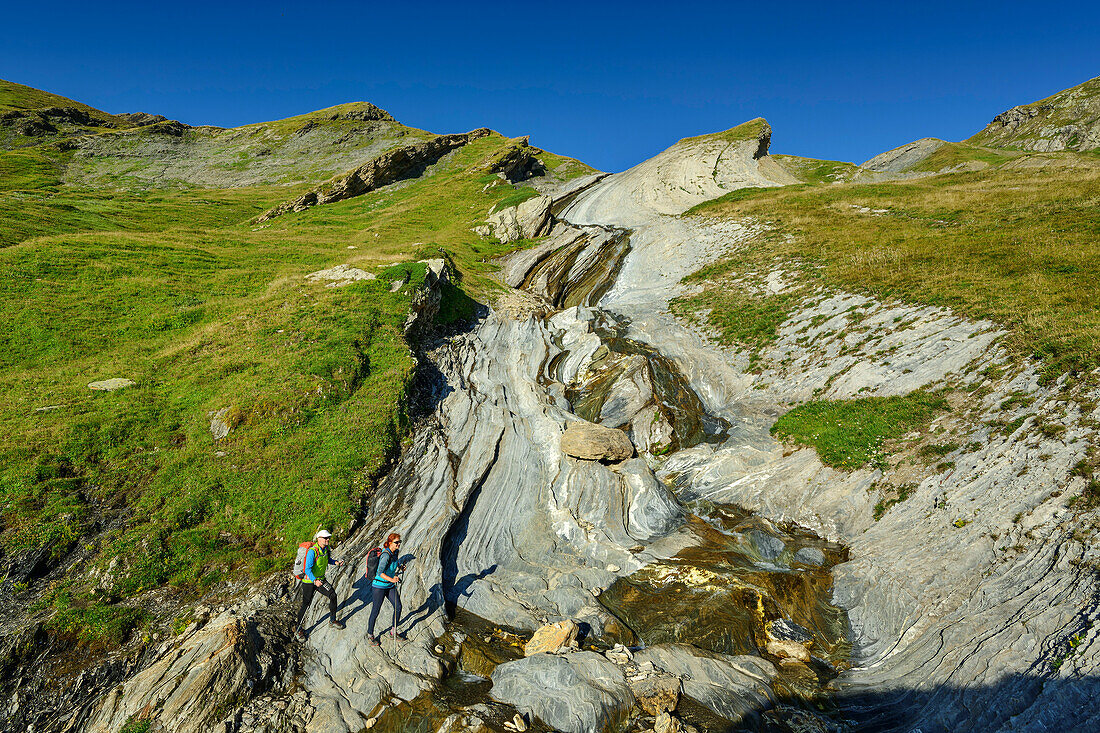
(387, 565)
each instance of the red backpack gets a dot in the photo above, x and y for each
(299, 570)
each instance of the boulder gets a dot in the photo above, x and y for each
(595, 442)
(527, 220)
(552, 637)
(665, 723)
(575, 693)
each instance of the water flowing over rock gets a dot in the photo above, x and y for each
(961, 617)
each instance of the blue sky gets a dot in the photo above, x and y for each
(610, 83)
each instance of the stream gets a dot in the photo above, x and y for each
(705, 574)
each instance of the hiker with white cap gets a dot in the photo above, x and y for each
(311, 571)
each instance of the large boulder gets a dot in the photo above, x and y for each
(738, 688)
(552, 637)
(595, 442)
(576, 693)
(528, 220)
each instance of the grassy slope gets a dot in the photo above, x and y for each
(745, 131)
(1019, 247)
(178, 291)
(813, 170)
(21, 97)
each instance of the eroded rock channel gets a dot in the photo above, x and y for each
(509, 533)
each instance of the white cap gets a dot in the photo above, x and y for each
(322, 533)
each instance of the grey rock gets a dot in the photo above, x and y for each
(340, 275)
(110, 385)
(810, 556)
(769, 546)
(219, 428)
(904, 158)
(578, 693)
(735, 687)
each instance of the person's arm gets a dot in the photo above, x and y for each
(388, 557)
(309, 566)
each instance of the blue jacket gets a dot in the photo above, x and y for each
(387, 564)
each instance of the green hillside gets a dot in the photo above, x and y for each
(168, 283)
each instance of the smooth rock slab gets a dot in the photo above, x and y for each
(576, 693)
(110, 385)
(595, 442)
(340, 275)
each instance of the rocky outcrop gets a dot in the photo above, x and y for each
(517, 162)
(407, 161)
(937, 589)
(595, 442)
(691, 171)
(232, 657)
(527, 220)
(903, 158)
(1068, 120)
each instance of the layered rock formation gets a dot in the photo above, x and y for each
(406, 161)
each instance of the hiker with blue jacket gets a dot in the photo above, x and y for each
(384, 585)
(313, 579)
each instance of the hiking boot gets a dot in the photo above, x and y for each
(372, 640)
(301, 635)
(337, 624)
(399, 636)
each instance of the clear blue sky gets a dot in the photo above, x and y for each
(609, 83)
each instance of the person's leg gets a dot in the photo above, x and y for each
(377, 594)
(395, 601)
(330, 593)
(307, 598)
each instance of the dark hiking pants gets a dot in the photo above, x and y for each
(377, 594)
(308, 589)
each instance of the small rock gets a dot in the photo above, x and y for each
(439, 649)
(519, 722)
(219, 428)
(619, 655)
(665, 723)
(110, 385)
(552, 637)
(370, 723)
(612, 568)
(791, 649)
